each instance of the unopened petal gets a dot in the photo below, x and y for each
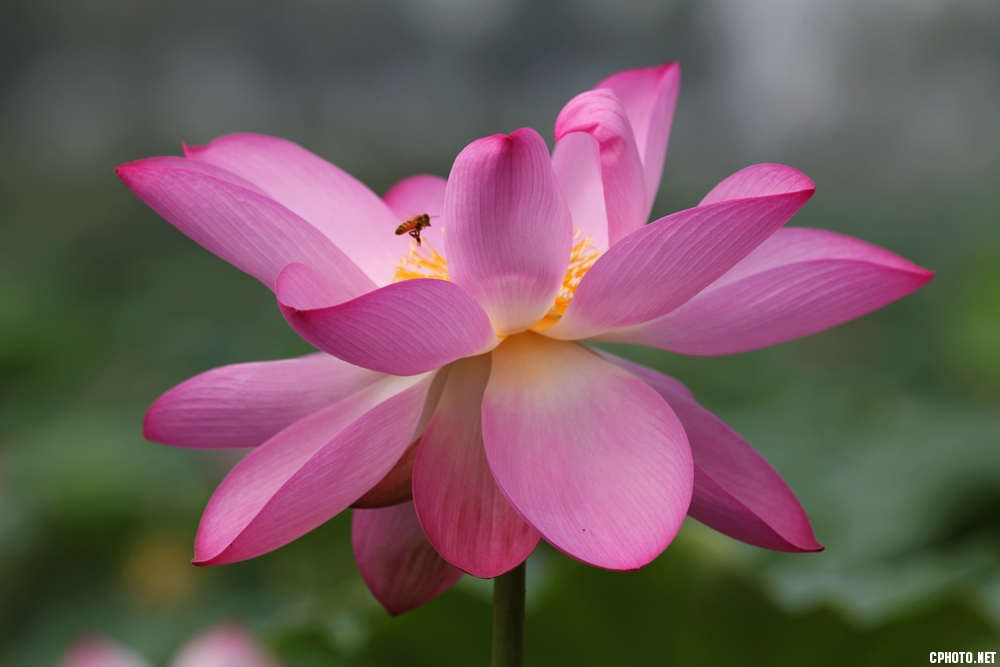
(399, 565)
(591, 456)
(509, 232)
(333, 201)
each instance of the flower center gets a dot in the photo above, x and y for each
(582, 257)
(423, 261)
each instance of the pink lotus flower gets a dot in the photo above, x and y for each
(222, 646)
(451, 373)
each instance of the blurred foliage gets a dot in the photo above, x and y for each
(973, 335)
(887, 427)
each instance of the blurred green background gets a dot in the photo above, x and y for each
(888, 428)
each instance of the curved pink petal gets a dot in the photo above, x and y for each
(310, 471)
(664, 264)
(509, 232)
(796, 283)
(759, 180)
(405, 328)
(248, 229)
(462, 511)
(100, 652)
(226, 645)
(576, 162)
(397, 485)
(649, 96)
(600, 114)
(333, 201)
(736, 491)
(397, 562)
(588, 454)
(417, 195)
(175, 162)
(245, 404)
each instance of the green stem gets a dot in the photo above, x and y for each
(508, 618)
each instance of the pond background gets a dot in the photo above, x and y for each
(887, 428)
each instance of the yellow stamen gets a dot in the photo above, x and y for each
(583, 256)
(423, 261)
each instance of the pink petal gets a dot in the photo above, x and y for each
(759, 180)
(245, 404)
(337, 204)
(417, 195)
(397, 485)
(600, 114)
(509, 232)
(736, 491)
(397, 562)
(175, 162)
(576, 162)
(100, 652)
(462, 511)
(310, 471)
(225, 645)
(796, 283)
(649, 96)
(589, 455)
(405, 328)
(664, 264)
(247, 229)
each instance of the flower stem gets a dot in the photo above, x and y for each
(508, 618)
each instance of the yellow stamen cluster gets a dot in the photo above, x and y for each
(423, 261)
(580, 260)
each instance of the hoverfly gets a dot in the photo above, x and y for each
(414, 225)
